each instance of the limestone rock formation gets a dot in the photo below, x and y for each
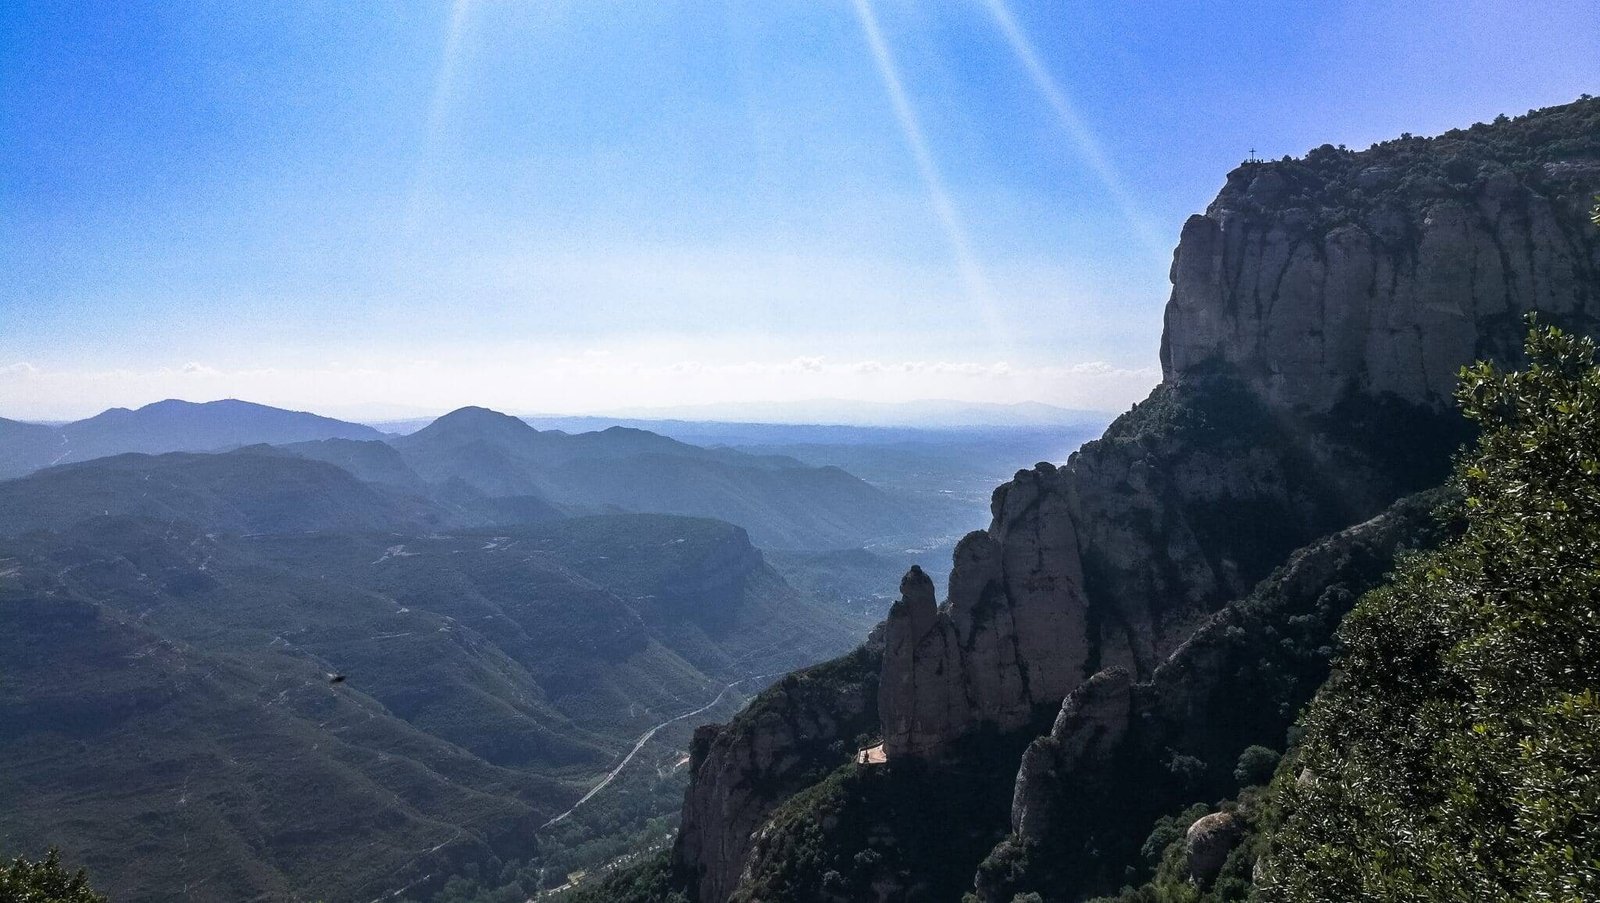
(786, 739)
(1319, 311)
(1388, 295)
(1208, 843)
(1089, 730)
(1177, 735)
(1114, 559)
(920, 642)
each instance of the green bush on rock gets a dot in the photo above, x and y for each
(1452, 756)
(44, 881)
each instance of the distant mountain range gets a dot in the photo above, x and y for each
(783, 502)
(506, 620)
(817, 414)
(514, 614)
(165, 426)
(924, 413)
(472, 466)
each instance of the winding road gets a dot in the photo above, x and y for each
(645, 738)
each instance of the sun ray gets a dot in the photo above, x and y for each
(973, 279)
(1083, 137)
(438, 107)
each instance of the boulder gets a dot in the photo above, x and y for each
(1208, 843)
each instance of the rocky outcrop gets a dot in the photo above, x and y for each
(1177, 735)
(1380, 272)
(1320, 309)
(1207, 844)
(788, 738)
(1319, 313)
(1002, 646)
(920, 645)
(1090, 729)
(1114, 559)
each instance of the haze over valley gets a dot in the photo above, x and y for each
(528, 623)
(880, 451)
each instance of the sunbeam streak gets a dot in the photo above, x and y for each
(973, 279)
(1087, 145)
(438, 104)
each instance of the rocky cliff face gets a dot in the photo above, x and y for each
(1319, 313)
(787, 739)
(1383, 272)
(1320, 309)
(1177, 735)
(1114, 559)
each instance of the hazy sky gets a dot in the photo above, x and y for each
(370, 208)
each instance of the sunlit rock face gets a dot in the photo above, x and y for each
(1406, 280)
(1013, 636)
(1320, 311)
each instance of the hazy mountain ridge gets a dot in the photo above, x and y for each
(368, 460)
(245, 491)
(781, 501)
(477, 466)
(164, 426)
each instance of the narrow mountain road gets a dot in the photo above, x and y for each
(640, 743)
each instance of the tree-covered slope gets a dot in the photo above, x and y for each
(1450, 756)
(1453, 755)
(170, 720)
(171, 770)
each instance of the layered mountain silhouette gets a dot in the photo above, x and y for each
(253, 490)
(471, 466)
(164, 426)
(782, 502)
(515, 613)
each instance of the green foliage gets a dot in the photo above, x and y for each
(1331, 185)
(1170, 828)
(650, 881)
(1167, 850)
(44, 881)
(487, 690)
(1453, 758)
(905, 830)
(1255, 767)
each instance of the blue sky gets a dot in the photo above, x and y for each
(371, 208)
